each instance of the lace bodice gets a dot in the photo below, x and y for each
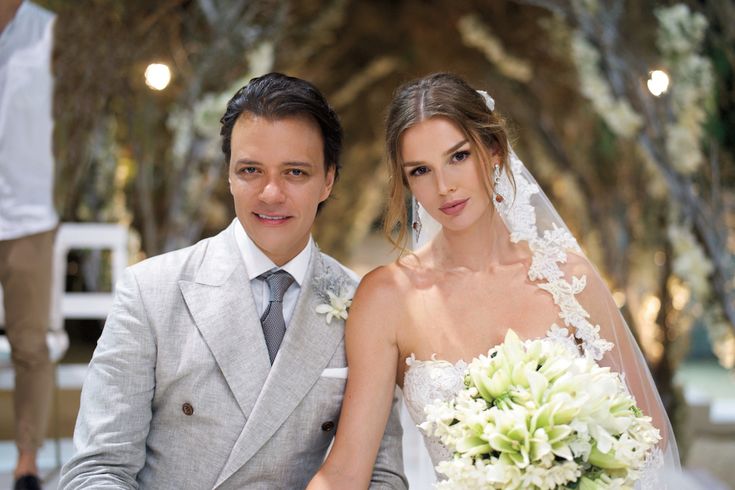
(425, 382)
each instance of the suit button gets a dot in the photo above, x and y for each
(187, 409)
(327, 426)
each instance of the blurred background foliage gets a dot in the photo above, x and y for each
(646, 183)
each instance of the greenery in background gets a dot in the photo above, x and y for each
(646, 183)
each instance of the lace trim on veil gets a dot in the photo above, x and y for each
(548, 251)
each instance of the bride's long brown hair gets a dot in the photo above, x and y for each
(438, 95)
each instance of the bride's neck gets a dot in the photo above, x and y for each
(480, 247)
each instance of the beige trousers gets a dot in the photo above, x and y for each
(25, 274)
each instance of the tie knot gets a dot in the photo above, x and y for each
(278, 282)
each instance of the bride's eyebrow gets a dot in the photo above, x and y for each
(454, 148)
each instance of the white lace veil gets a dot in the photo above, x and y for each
(589, 319)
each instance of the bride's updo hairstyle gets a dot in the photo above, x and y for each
(438, 95)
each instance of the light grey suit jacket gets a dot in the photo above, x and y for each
(180, 393)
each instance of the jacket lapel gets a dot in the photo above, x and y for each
(221, 303)
(307, 347)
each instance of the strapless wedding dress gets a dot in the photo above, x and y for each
(424, 383)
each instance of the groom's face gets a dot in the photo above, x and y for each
(277, 179)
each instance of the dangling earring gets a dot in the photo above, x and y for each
(416, 225)
(496, 181)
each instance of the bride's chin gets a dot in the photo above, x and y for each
(457, 228)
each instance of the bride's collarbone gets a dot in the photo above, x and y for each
(478, 312)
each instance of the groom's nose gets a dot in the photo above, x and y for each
(272, 192)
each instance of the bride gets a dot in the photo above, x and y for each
(491, 255)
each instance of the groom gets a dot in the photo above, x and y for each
(214, 369)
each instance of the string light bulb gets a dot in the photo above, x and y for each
(658, 82)
(157, 76)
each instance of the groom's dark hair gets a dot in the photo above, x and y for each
(276, 96)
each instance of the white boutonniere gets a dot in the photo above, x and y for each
(335, 290)
(336, 307)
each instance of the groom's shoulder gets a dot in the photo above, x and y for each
(177, 264)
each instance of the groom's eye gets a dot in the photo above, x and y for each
(248, 170)
(296, 172)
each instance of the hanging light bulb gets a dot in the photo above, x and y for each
(658, 82)
(157, 76)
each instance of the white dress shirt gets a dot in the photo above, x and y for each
(26, 125)
(256, 263)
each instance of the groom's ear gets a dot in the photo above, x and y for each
(328, 184)
(229, 178)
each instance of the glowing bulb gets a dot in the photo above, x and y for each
(157, 76)
(658, 83)
(619, 298)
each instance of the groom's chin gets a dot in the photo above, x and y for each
(280, 242)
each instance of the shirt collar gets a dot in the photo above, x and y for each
(257, 262)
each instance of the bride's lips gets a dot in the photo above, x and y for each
(454, 207)
(271, 219)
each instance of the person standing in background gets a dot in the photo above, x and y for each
(28, 220)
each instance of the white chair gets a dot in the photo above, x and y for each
(94, 236)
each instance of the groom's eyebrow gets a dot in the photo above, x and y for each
(299, 164)
(246, 161)
(295, 163)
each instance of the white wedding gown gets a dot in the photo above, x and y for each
(425, 382)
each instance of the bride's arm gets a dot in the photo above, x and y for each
(372, 357)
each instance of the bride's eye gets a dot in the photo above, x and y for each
(460, 156)
(418, 171)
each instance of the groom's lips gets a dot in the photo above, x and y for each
(269, 219)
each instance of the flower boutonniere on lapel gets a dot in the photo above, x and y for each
(336, 307)
(336, 293)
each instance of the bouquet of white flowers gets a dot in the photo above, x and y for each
(535, 414)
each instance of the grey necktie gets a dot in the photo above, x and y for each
(274, 326)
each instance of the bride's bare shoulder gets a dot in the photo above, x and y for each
(385, 279)
(387, 282)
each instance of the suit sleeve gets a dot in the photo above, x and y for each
(115, 411)
(388, 469)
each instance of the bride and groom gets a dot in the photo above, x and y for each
(224, 365)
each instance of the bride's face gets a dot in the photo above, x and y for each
(444, 173)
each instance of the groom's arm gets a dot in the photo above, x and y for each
(388, 470)
(115, 411)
